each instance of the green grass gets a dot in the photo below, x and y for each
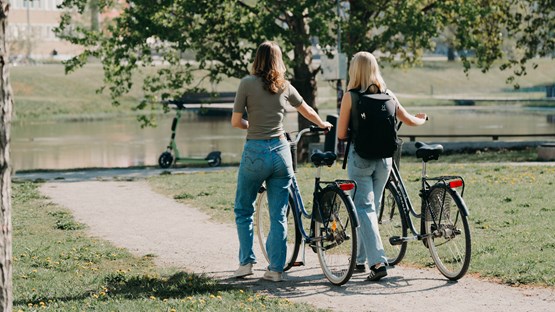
(511, 211)
(57, 266)
(45, 92)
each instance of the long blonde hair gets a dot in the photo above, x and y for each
(364, 71)
(268, 65)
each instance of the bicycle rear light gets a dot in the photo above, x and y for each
(456, 183)
(346, 186)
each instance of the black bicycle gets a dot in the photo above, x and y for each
(333, 222)
(443, 217)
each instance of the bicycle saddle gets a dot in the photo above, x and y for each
(320, 158)
(428, 152)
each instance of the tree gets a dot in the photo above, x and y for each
(223, 36)
(6, 103)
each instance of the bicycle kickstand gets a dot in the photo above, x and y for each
(302, 261)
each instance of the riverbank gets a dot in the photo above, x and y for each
(45, 92)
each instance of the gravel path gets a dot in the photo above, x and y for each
(132, 216)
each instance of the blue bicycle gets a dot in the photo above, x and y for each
(333, 221)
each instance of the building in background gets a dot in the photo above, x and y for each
(31, 24)
(30, 31)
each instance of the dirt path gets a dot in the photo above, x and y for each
(132, 216)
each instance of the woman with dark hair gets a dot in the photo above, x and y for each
(266, 155)
(370, 174)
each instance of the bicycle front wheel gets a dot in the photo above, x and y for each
(262, 221)
(446, 221)
(335, 232)
(392, 224)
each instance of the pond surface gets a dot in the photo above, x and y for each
(122, 142)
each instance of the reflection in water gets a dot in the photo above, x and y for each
(122, 143)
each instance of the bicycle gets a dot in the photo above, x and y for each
(444, 227)
(333, 220)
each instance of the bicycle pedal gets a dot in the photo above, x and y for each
(298, 263)
(314, 248)
(395, 240)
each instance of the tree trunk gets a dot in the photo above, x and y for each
(304, 80)
(451, 53)
(307, 89)
(5, 175)
(93, 6)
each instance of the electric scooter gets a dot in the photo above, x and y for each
(171, 155)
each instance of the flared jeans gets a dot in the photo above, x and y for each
(371, 176)
(264, 161)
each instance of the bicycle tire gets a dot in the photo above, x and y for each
(262, 217)
(446, 218)
(392, 223)
(337, 228)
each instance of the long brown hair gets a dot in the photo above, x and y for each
(268, 65)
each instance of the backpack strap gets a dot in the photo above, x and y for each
(353, 122)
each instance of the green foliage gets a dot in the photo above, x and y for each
(64, 221)
(221, 37)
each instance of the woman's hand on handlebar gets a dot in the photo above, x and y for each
(326, 125)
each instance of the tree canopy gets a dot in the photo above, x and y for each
(221, 36)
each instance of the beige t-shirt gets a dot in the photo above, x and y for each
(265, 110)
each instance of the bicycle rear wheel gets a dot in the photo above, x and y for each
(337, 230)
(446, 219)
(262, 221)
(392, 223)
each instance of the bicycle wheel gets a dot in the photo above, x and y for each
(262, 221)
(446, 219)
(338, 245)
(391, 224)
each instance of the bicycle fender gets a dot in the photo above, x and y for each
(458, 197)
(352, 206)
(355, 220)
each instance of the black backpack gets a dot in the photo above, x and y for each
(373, 124)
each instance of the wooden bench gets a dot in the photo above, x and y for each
(206, 104)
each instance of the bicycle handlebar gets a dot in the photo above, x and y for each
(294, 142)
(305, 130)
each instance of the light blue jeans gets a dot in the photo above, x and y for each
(371, 176)
(269, 161)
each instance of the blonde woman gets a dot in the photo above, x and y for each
(266, 155)
(370, 174)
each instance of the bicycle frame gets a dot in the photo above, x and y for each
(295, 194)
(443, 217)
(299, 207)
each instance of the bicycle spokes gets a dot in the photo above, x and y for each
(449, 235)
(392, 225)
(336, 246)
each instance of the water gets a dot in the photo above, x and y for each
(122, 143)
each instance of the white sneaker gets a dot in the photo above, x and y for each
(243, 270)
(273, 276)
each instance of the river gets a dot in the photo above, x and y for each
(122, 142)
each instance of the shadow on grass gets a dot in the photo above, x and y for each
(118, 285)
(175, 286)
